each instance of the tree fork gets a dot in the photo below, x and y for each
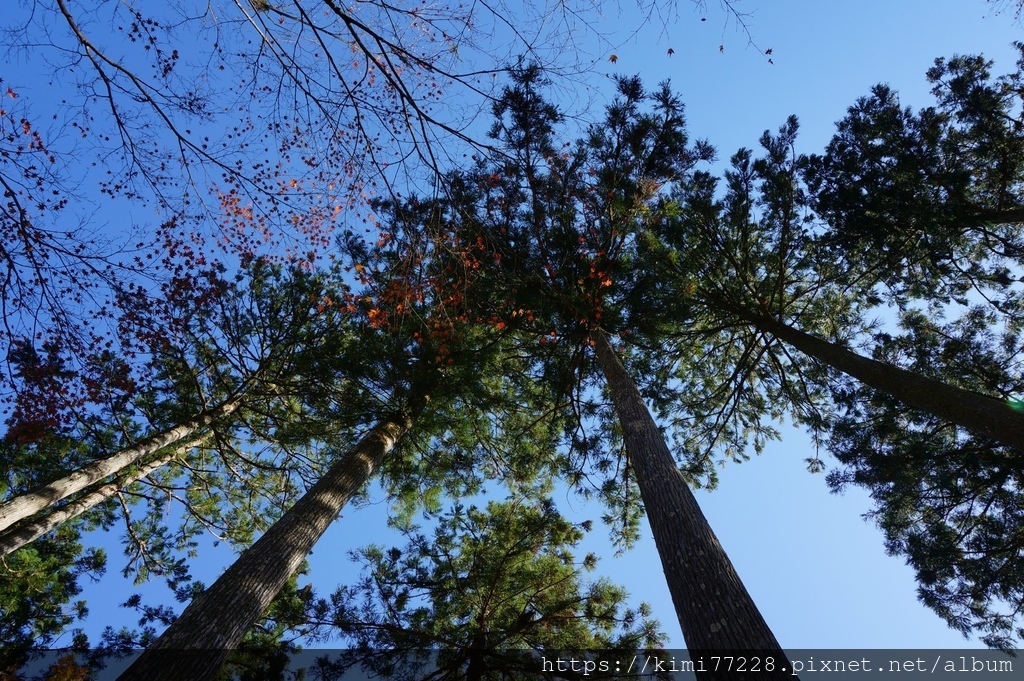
(715, 611)
(217, 620)
(28, 532)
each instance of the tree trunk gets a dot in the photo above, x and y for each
(981, 414)
(30, 503)
(217, 620)
(716, 613)
(28, 532)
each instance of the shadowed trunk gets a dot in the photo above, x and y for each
(30, 503)
(217, 620)
(716, 613)
(981, 414)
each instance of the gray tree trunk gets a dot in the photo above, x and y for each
(217, 620)
(28, 532)
(30, 503)
(716, 613)
(981, 414)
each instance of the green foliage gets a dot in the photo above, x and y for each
(269, 343)
(487, 590)
(474, 311)
(929, 202)
(951, 503)
(925, 208)
(714, 257)
(550, 229)
(38, 586)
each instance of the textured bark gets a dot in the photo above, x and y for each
(217, 620)
(714, 609)
(981, 414)
(28, 532)
(30, 503)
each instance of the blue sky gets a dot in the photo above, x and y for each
(816, 569)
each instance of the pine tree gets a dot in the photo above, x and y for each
(940, 229)
(217, 483)
(488, 594)
(557, 227)
(917, 209)
(408, 365)
(946, 499)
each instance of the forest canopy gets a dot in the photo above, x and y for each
(335, 289)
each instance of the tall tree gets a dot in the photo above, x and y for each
(949, 501)
(940, 229)
(262, 341)
(557, 227)
(217, 620)
(751, 258)
(918, 209)
(411, 356)
(28, 532)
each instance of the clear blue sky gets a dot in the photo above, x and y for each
(816, 569)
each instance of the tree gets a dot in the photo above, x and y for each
(486, 594)
(219, 618)
(945, 183)
(261, 344)
(919, 209)
(26, 505)
(285, 113)
(765, 271)
(556, 228)
(410, 355)
(947, 500)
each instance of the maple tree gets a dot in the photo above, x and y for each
(283, 114)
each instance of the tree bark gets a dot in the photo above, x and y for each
(217, 620)
(28, 532)
(981, 414)
(30, 503)
(714, 609)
